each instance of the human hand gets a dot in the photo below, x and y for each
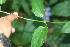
(5, 24)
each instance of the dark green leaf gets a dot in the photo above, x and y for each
(53, 1)
(16, 38)
(38, 8)
(66, 28)
(31, 25)
(57, 28)
(26, 38)
(26, 7)
(62, 9)
(66, 0)
(39, 36)
(15, 5)
(18, 25)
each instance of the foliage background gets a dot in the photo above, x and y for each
(60, 10)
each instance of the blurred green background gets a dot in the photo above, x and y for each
(60, 10)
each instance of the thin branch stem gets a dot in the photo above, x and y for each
(33, 20)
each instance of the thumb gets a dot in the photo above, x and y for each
(12, 17)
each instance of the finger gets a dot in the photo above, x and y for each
(13, 30)
(12, 17)
(2, 18)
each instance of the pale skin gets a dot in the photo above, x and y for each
(5, 25)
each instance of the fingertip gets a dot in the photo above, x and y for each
(12, 17)
(15, 13)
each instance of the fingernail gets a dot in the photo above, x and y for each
(15, 13)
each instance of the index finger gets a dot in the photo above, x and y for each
(12, 17)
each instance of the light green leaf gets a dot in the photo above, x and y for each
(0, 8)
(39, 36)
(38, 8)
(66, 28)
(2, 1)
(53, 1)
(62, 9)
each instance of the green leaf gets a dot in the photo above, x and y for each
(18, 25)
(16, 38)
(62, 9)
(2, 1)
(31, 25)
(25, 7)
(38, 8)
(15, 5)
(56, 30)
(39, 36)
(0, 8)
(58, 26)
(66, 28)
(53, 1)
(26, 38)
(66, 0)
